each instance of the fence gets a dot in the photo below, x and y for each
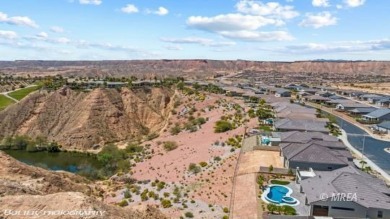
(266, 148)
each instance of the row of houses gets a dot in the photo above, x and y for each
(324, 166)
(366, 112)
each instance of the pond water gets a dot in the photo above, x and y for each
(66, 161)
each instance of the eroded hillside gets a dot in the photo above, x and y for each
(80, 120)
(25, 188)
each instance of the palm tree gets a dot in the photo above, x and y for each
(367, 169)
(362, 162)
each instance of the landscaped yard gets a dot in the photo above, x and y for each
(20, 94)
(5, 101)
(280, 182)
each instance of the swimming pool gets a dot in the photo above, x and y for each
(280, 195)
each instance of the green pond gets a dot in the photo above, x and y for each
(67, 161)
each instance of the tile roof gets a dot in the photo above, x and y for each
(300, 124)
(384, 124)
(378, 113)
(305, 137)
(371, 192)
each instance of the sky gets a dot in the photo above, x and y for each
(284, 30)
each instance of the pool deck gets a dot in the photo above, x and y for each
(301, 209)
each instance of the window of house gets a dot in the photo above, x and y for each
(380, 214)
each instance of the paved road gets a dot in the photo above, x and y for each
(372, 147)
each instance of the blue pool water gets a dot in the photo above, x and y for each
(278, 194)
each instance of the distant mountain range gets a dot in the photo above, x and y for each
(190, 68)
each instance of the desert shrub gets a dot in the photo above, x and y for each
(203, 164)
(175, 129)
(123, 203)
(170, 145)
(194, 168)
(134, 148)
(222, 126)
(127, 194)
(166, 203)
(189, 214)
(152, 136)
(113, 160)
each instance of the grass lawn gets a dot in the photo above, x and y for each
(265, 128)
(279, 182)
(5, 101)
(20, 94)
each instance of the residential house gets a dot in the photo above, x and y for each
(350, 106)
(361, 111)
(300, 137)
(233, 91)
(316, 99)
(335, 102)
(385, 102)
(378, 115)
(294, 87)
(383, 127)
(346, 193)
(315, 154)
(324, 93)
(367, 97)
(282, 93)
(300, 125)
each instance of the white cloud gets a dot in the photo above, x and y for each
(354, 3)
(5, 34)
(245, 25)
(198, 40)
(56, 29)
(90, 2)
(339, 6)
(173, 47)
(160, 11)
(130, 9)
(17, 20)
(62, 40)
(320, 3)
(230, 22)
(258, 35)
(321, 19)
(42, 35)
(270, 9)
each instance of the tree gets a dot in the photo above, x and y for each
(270, 168)
(262, 102)
(363, 163)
